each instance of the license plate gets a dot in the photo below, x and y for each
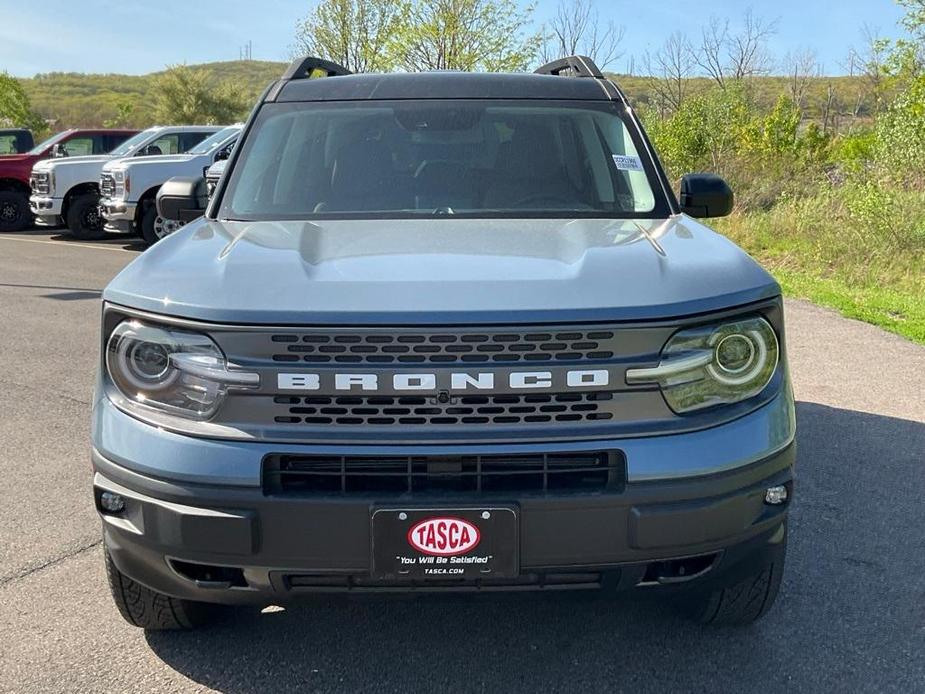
(438, 544)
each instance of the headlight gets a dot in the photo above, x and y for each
(119, 184)
(179, 372)
(714, 365)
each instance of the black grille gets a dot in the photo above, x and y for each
(443, 347)
(470, 409)
(560, 472)
(40, 183)
(107, 185)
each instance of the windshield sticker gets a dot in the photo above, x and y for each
(627, 162)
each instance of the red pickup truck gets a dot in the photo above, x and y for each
(15, 169)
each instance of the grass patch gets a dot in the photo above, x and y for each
(848, 249)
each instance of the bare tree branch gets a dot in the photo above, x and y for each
(802, 66)
(577, 30)
(668, 69)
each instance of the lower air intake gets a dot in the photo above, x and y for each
(539, 472)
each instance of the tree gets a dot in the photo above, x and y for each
(465, 35)
(725, 55)
(802, 66)
(668, 69)
(355, 33)
(15, 108)
(577, 30)
(185, 95)
(123, 117)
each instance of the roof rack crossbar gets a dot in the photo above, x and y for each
(303, 68)
(579, 65)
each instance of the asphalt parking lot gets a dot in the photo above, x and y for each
(851, 616)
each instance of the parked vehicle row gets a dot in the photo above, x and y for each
(98, 181)
(129, 186)
(16, 169)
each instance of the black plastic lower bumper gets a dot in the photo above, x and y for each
(235, 545)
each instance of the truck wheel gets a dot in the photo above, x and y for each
(154, 227)
(14, 211)
(145, 608)
(740, 603)
(83, 218)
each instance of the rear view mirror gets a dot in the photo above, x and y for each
(182, 199)
(706, 195)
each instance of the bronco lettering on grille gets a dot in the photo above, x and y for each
(455, 382)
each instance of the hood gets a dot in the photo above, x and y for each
(48, 164)
(157, 159)
(16, 158)
(440, 271)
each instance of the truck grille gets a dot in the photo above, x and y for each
(469, 409)
(535, 472)
(442, 347)
(40, 183)
(107, 185)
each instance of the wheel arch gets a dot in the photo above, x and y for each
(87, 188)
(149, 197)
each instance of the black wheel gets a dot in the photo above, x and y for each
(154, 227)
(14, 211)
(84, 219)
(741, 603)
(148, 609)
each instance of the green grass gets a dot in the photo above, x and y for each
(864, 258)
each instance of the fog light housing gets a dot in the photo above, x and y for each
(775, 496)
(112, 502)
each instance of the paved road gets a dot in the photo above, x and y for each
(851, 617)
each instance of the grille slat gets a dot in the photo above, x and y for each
(107, 185)
(484, 409)
(442, 348)
(539, 472)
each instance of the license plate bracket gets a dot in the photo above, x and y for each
(432, 544)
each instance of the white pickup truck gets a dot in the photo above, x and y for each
(66, 190)
(129, 186)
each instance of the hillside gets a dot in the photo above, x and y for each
(86, 100)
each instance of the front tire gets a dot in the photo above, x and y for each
(154, 227)
(83, 218)
(148, 609)
(740, 603)
(14, 211)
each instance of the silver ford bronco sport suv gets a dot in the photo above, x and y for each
(442, 332)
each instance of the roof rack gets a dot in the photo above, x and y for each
(309, 66)
(578, 65)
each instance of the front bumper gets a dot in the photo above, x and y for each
(46, 210)
(282, 546)
(119, 215)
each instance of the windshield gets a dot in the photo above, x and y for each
(130, 144)
(42, 146)
(440, 157)
(210, 143)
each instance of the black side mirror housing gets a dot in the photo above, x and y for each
(706, 195)
(224, 153)
(59, 151)
(182, 199)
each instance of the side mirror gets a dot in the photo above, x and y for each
(224, 153)
(706, 195)
(59, 151)
(182, 199)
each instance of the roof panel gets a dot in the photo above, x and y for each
(442, 85)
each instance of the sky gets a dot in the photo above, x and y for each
(141, 36)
